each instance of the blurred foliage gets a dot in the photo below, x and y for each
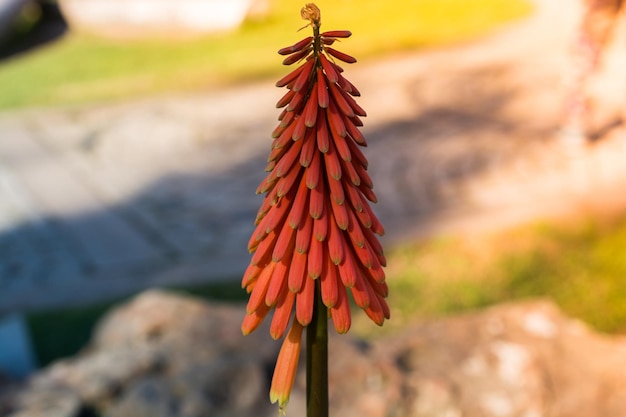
(580, 266)
(79, 68)
(64, 332)
(60, 333)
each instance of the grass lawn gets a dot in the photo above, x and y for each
(79, 69)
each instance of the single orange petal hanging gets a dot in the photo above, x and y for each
(286, 366)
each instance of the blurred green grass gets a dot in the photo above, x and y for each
(580, 266)
(79, 69)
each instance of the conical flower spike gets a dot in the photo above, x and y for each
(315, 228)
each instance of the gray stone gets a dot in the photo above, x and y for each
(147, 397)
(524, 359)
(53, 402)
(163, 354)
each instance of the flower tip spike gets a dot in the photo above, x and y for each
(311, 13)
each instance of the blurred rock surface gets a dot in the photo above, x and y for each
(164, 354)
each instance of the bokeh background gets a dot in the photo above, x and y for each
(133, 135)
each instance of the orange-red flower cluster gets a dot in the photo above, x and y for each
(315, 223)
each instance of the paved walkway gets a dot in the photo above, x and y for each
(101, 201)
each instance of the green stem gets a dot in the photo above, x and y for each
(317, 359)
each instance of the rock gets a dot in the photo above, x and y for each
(53, 402)
(170, 355)
(8, 391)
(148, 397)
(521, 359)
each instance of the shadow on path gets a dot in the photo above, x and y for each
(193, 229)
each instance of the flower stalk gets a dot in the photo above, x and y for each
(315, 246)
(317, 360)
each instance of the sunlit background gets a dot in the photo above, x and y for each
(123, 99)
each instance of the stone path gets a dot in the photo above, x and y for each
(101, 201)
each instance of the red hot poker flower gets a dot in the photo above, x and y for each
(315, 225)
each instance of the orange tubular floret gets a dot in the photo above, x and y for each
(254, 320)
(342, 104)
(341, 214)
(299, 130)
(336, 191)
(251, 274)
(322, 91)
(320, 228)
(335, 242)
(322, 134)
(333, 166)
(285, 99)
(304, 76)
(311, 109)
(276, 216)
(347, 269)
(296, 56)
(342, 147)
(285, 185)
(289, 77)
(350, 174)
(296, 46)
(308, 148)
(337, 34)
(335, 121)
(304, 302)
(286, 366)
(298, 208)
(297, 272)
(303, 237)
(340, 55)
(317, 199)
(354, 197)
(296, 102)
(257, 297)
(330, 283)
(340, 312)
(284, 244)
(258, 234)
(331, 73)
(315, 258)
(358, 110)
(277, 285)
(282, 314)
(354, 132)
(314, 171)
(263, 253)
